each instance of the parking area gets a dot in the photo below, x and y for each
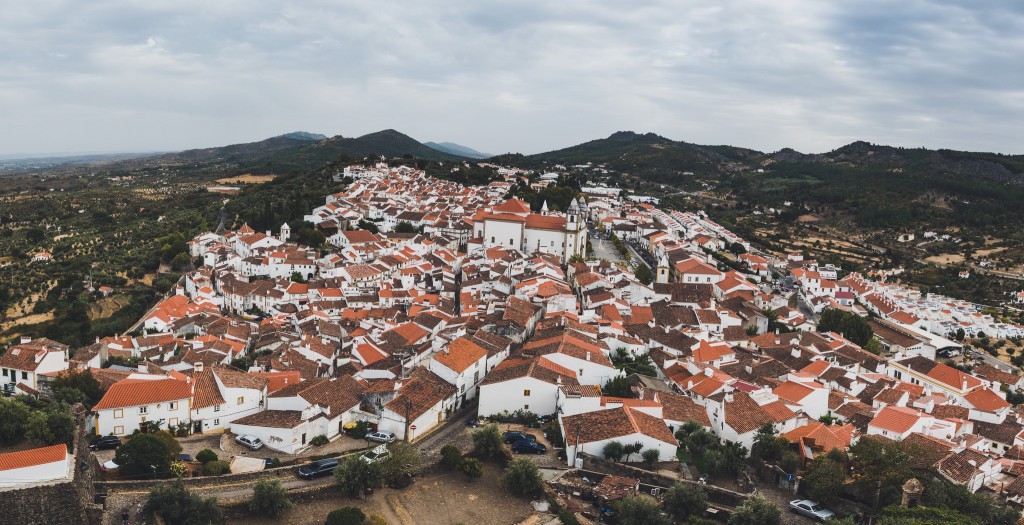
(340, 444)
(189, 445)
(548, 459)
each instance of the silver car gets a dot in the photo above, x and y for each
(249, 441)
(381, 436)
(811, 509)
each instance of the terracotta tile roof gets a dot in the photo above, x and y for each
(206, 392)
(961, 466)
(278, 380)
(424, 390)
(462, 353)
(822, 437)
(600, 425)
(743, 414)
(928, 449)
(676, 407)
(986, 400)
(137, 392)
(272, 419)
(537, 368)
(792, 391)
(33, 457)
(896, 419)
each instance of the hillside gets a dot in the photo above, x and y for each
(457, 149)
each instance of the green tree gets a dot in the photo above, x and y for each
(206, 455)
(824, 479)
(618, 386)
(883, 466)
(143, 455)
(639, 510)
(472, 468)
(451, 457)
(79, 380)
(13, 416)
(651, 456)
(643, 274)
(354, 476)
(613, 450)
(756, 511)
(522, 477)
(216, 468)
(37, 428)
(346, 516)
(487, 441)
(683, 500)
(180, 262)
(269, 498)
(402, 458)
(850, 325)
(405, 227)
(874, 346)
(176, 504)
(768, 446)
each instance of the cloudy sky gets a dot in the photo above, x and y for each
(120, 75)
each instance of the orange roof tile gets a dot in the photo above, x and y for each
(137, 392)
(33, 457)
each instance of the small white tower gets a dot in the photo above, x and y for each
(662, 275)
(544, 208)
(286, 232)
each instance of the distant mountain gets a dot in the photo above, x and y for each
(304, 135)
(457, 149)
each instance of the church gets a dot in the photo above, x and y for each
(512, 225)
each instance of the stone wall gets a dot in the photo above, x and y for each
(66, 503)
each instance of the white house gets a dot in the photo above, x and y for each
(423, 402)
(528, 385)
(222, 395)
(25, 362)
(135, 400)
(589, 432)
(37, 465)
(288, 431)
(737, 416)
(462, 364)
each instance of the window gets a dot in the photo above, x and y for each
(143, 410)
(492, 239)
(173, 405)
(5, 372)
(118, 431)
(216, 422)
(511, 242)
(526, 393)
(143, 419)
(476, 377)
(118, 413)
(24, 375)
(526, 407)
(241, 399)
(173, 422)
(216, 408)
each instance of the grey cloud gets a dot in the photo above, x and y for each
(511, 76)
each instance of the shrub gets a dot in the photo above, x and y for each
(451, 457)
(472, 468)
(176, 504)
(360, 431)
(269, 498)
(179, 469)
(685, 499)
(354, 476)
(206, 455)
(553, 431)
(651, 456)
(522, 477)
(346, 516)
(319, 441)
(613, 450)
(567, 517)
(487, 441)
(756, 511)
(638, 510)
(140, 454)
(216, 468)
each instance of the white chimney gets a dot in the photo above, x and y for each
(25, 340)
(588, 359)
(708, 372)
(198, 366)
(728, 398)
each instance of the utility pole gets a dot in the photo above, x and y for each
(408, 408)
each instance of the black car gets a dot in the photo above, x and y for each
(512, 436)
(316, 469)
(105, 443)
(528, 447)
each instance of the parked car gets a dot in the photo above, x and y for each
(185, 457)
(379, 453)
(528, 447)
(252, 442)
(316, 469)
(381, 436)
(269, 462)
(512, 436)
(811, 509)
(105, 443)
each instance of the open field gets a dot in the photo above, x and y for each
(247, 178)
(946, 258)
(434, 499)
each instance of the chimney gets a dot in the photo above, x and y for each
(25, 340)
(708, 372)
(197, 366)
(588, 359)
(728, 398)
(558, 380)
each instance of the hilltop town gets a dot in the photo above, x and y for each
(605, 323)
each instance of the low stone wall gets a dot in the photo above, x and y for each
(716, 494)
(199, 482)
